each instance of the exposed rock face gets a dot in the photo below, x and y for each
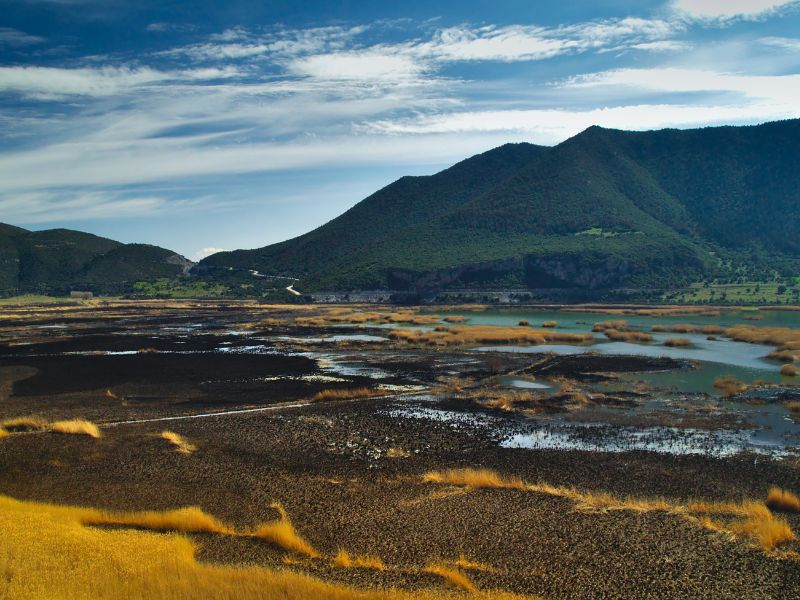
(563, 271)
(573, 271)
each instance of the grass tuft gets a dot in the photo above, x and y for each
(769, 531)
(550, 324)
(191, 519)
(181, 444)
(628, 336)
(729, 386)
(346, 394)
(283, 534)
(790, 371)
(76, 427)
(474, 478)
(451, 575)
(678, 343)
(778, 499)
(462, 562)
(18, 424)
(344, 560)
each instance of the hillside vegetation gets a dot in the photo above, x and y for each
(56, 261)
(604, 209)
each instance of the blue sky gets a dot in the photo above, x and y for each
(219, 125)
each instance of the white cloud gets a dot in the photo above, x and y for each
(15, 38)
(54, 83)
(551, 126)
(783, 89)
(730, 9)
(782, 42)
(47, 206)
(359, 66)
(203, 252)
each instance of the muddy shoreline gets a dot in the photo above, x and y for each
(349, 471)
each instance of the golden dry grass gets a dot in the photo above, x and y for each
(628, 336)
(487, 334)
(617, 324)
(462, 562)
(769, 531)
(785, 356)
(660, 311)
(751, 519)
(344, 560)
(76, 427)
(283, 534)
(550, 324)
(69, 426)
(790, 371)
(451, 575)
(3, 433)
(454, 319)
(778, 499)
(793, 406)
(47, 553)
(347, 394)
(181, 444)
(24, 424)
(191, 519)
(678, 343)
(785, 337)
(729, 386)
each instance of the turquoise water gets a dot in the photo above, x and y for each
(712, 358)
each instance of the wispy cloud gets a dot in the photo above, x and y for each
(15, 38)
(49, 83)
(731, 9)
(782, 42)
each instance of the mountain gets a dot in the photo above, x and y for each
(56, 261)
(604, 209)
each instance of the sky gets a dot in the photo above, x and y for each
(205, 125)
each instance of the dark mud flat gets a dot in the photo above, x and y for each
(350, 472)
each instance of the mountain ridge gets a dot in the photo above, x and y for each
(657, 208)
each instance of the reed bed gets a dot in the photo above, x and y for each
(487, 334)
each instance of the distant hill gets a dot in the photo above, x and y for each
(604, 209)
(56, 261)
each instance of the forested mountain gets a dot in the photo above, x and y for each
(603, 209)
(56, 261)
